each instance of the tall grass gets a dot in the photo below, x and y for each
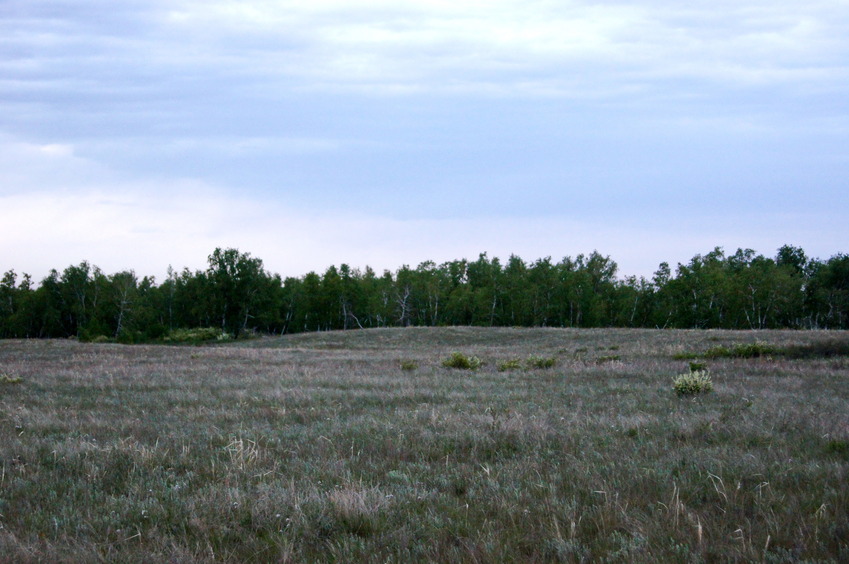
(324, 448)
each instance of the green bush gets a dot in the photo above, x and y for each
(541, 362)
(608, 358)
(746, 350)
(838, 447)
(196, 335)
(685, 355)
(510, 364)
(819, 349)
(407, 364)
(692, 384)
(9, 379)
(462, 362)
(698, 367)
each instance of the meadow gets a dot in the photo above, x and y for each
(361, 446)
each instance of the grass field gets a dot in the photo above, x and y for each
(361, 446)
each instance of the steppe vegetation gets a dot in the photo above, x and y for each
(361, 446)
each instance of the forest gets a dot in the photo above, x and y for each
(238, 297)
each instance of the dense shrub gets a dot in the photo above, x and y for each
(10, 379)
(509, 364)
(407, 364)
(541, 362)
(693, 383)
(462, 362)
(196, 335)
(746, 350)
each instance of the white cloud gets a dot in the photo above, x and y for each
(436, 45)
(518, 47)
(151, 127)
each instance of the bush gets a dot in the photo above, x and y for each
(698, 367)
(692, 384)
(749, 350)
(511, 364)
(463, 362)
(685, 355)
(541, 362)
(820, 349)
(197, 335)
(608, 358)
(10, 379)
(407, 364)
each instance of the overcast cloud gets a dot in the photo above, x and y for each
(138, 134)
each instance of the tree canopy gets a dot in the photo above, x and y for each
(743, 290)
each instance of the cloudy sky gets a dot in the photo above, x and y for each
(138, 134)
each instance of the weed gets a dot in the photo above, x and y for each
(408, 365)
(745, 350)
(541, 362)
(197, 335)
(686, 356)
(462, 362)
(10, 379)
(608, 358)
(838, 447)
(510, 364)
(692, 384)
(819, 349)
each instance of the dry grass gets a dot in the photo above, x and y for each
(323, 447)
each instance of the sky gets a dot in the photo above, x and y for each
(143, 134)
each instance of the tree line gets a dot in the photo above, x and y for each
(235, 293)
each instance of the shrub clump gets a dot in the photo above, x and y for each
(747, 350)
(608, 358)
(462, 362)
(541, 362)
(693, 383)
(838, 447)
(509, 364)
(820, 349)
(10, 379)
(197, 335)
(409, 365)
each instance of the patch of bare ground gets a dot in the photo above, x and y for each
(361, 446)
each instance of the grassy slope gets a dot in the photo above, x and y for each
(319, 447)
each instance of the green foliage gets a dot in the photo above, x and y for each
(838, 447)
(409, 365)
(686, 355)
(532, 362)
(692, 383)
(462, 361)
(819, 349)
(745, 350)
(540, 362)
(196, 335)
(698, 367)
(740, 290)
(10, 379)
(608, 358)
(509, 364)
